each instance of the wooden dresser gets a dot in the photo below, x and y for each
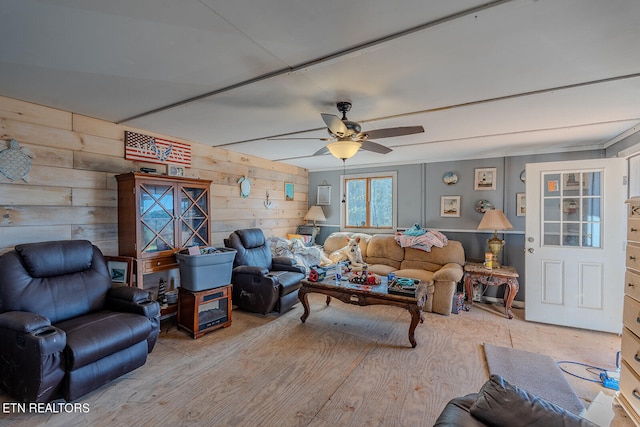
(629, 394)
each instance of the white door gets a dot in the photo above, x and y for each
(574, 243)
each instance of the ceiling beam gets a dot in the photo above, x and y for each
(461, 105)
(323, 59)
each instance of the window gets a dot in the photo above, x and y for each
(369, 201)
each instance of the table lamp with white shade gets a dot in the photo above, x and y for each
(494, 219)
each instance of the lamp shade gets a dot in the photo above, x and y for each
(315, 214)
(494, 219)
(344, 149)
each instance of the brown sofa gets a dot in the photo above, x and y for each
(441, 268)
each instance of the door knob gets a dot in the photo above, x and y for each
(531, 250)
(530, 239)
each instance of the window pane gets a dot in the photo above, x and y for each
(591, 235)
(381, 202)
(571, 184)
(591, 209)
(552, 184)
(356, 203)
(591, 183)
(570, 209)
(571, 234)
(551, 234)
(552, 210)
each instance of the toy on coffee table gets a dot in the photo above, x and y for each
(364, 278)
(317, 274)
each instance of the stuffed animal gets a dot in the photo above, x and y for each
(351, 253)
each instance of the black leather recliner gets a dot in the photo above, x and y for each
(500, 404)
(64, 330)
(262, 283)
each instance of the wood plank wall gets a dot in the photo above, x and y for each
(72, 192)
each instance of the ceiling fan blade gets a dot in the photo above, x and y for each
(389, 132)
(323, 150)
(335, 125)
(375, 147)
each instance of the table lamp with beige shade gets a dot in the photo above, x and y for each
(494, 219)
(315, 214)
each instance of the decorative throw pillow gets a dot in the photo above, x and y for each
(501, 404)
(295, 236)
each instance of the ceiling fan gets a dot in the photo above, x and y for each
(347, 136)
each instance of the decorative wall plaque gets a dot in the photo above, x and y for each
(15, 161)
(150, 149)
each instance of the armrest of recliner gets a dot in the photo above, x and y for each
(250, 269)
(35, 331)
(132, 300)
(23, 321)
(281, 263)
(31, 356)
(283, 260)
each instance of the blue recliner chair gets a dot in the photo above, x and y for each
(262, 283)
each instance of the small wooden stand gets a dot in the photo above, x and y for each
(200, 312)
(505, 275)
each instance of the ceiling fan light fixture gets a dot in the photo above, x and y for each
(344, 149)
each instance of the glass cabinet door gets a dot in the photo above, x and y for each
(194, 221)
(157, 217)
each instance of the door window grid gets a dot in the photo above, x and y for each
(572, 209)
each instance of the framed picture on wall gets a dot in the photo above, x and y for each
(521, 204)
(324, 195)
(485, 179)
(288, 190)
(450, 206)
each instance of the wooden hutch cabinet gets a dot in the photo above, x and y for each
(158, 216)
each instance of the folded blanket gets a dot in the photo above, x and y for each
(423, 242)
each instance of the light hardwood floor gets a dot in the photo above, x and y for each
(346, 366)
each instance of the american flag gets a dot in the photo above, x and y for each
(156, 150)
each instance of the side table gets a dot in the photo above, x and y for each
(200, 312)
(505, 275)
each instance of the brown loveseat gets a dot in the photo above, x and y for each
(442, 267)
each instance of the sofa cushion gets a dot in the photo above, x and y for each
(383, 249)
(380, 269)
(100, 334)
(502, 404)
(416, 258)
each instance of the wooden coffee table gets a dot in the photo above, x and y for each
(361, 295)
